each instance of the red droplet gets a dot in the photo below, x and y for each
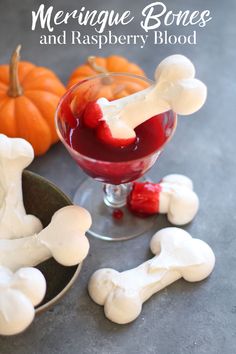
(117, 214)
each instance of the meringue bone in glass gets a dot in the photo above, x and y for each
(117, 142)
(175, 89)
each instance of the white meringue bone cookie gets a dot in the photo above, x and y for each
(173, 196)
(175, 89)
(19, 293)
(15, 155)
(178, 179)
(177, 255)
(177, 199)
(63, 239)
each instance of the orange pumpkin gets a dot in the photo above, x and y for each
(115, 64)
(28, 99)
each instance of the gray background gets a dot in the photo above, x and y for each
(184, 318)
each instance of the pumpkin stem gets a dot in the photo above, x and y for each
(99, 69)
(15, 88)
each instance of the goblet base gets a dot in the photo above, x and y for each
(107, 225)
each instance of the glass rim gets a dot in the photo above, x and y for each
(93, 160)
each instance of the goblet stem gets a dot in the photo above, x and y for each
(115, 196)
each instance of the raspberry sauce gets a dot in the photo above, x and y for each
(151, 135)
(111, 164)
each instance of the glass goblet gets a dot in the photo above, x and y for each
(114, 168)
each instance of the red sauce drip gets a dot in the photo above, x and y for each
(118, 214)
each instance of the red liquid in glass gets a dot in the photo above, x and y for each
(123, 164)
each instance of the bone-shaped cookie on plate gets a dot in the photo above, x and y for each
(15, 155)
(63, 239)
(19, 293)
(177, 255)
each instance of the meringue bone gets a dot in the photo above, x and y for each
(19, 293)
(15, 155)
(177, 199)
(63, 239)
(178, 255)
(175, 89)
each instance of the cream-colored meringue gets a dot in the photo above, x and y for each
(178, 179)
(175, 89)
(177, 199)
(63, 239)
(15, 155)
(19, 293)
(178, 255)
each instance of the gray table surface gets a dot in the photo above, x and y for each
(184, 318)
